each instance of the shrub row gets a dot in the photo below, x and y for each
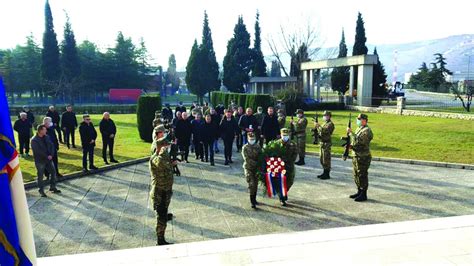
(242, 99)
(82, 109)
(147, 106)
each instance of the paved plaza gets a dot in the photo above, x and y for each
(109, 210)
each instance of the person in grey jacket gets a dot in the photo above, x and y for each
(43, 152)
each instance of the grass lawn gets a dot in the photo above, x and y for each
(409, 137)
(452, 109)
(422, 138)
(128, 145)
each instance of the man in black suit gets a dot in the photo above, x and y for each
(88, 137)
(108, 132)
(69, 125)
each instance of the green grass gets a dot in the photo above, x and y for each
(128, 146)
(454, 109)
(409, 137)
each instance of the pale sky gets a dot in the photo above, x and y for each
(171, 26)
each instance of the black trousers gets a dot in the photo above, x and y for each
(198, 149)
(228, 148)
(87, 151)
(239, 141)
(24, 143)
(55, 163)
(209, 150)
(58, 130)
(184, 147)
(107, 142)
(69, 134)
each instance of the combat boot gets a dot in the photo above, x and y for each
(252, 201)
(362, 196)
(321, 175)
(300, 162)
(161, 241)
(353, 196)
(325, 175)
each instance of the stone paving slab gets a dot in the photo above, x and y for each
(110, 211)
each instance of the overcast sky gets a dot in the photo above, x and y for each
(171, 26)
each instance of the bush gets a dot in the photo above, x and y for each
(147, 106)
(242, 99)
(293, 99)
(81, 109)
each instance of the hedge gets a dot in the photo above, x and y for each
(324, 106)
(242, 99)
(147, 106)
(82, 109)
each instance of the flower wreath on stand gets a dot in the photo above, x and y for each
(273, 174)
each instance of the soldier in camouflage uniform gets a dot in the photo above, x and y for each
(281, 118)
(361, 156)
(161, 170)
(325, 131)
(250, 153)
(158, 132)
(289, 157)
(300, 133)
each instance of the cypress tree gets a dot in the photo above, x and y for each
(193, 74)
(360, 39)
(207, 60)
(259, 66)
(238, 60)
(50, 64)
(340, 75)
(71, 65)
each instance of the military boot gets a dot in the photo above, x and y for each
(325, 175)
(300, 162)
(161, 241)
(253, 201)
(321, 175)
(362, 196)
(353, 196)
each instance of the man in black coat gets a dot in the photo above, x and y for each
(210, 133)
(183, 135)
(197, 129)
(216, 119)
(180, 108)
(69, 125)
(48, 123)
(55, 119)
(108, 131)
(167, 112)
(88, 137)
(247, 123)
(228, 129)
(29, 115)
(270, 126)
(23, 127)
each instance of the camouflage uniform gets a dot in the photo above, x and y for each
(325, 131)
(159, 128)
(289, 157)
(281, 120)
(250, 154)
(300, 133)
(361, 156)
(161, 170)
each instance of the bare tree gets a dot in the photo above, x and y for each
(468, 89)
(289, 41)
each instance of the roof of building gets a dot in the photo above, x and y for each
(272, 79)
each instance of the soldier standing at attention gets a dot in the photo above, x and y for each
(281, 118)
(361, 157)
(250, 153)
(300, 132)
(291, 151)
(161, 170)
(325, 132)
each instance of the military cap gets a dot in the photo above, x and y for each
(362, 116)
(251, 135)
(327, 113)
(163, 141)
(299, 111)
(284, 132)
(160, 128)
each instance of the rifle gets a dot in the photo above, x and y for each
(292, 128)
(347, 141)
(315, 131)
(174, 149)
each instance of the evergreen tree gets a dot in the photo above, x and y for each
(125, 66)
(144, 67)
(209, 78)
(340, 75)
(379, 79)
(276, 70)
(50, 64)
(238, 60)
(360, 39)
(441, 61)
(193, 73)
(70, 61)
(171, 74)
(259, 68)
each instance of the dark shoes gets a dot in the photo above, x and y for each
(55, 190)
(42, 194)
(300, 162)
(324, 175)
(93, 167)
(169, 217)
(353, 196)
(161, 241)
(106, 162)
(226, 162)
(253, 201)
(362, 196)
(84, 170)
(212, 163)
(113, 161)
(283, 203)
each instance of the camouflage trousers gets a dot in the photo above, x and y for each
(325, 155)
(252, 181)
(361, 166)
(301, 145)
(162, 201)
